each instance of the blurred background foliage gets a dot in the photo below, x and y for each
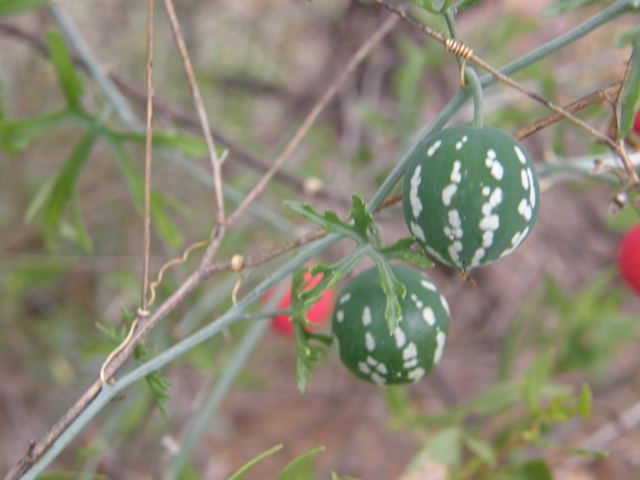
(541, 353)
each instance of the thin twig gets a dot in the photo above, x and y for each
(357, 58)
(199, 105)
(604, 93)
(146, 241)
(617, 147)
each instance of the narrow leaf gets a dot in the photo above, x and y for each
(392, 288)
(482, 449)
(446, 446)
(82, 234)
(242, 471)
(70, 81)
(288, 473)
(40, 199)
(11, 7)
(563, 6)
(534, 378)
(631, 95)
(583, 406)
(66, 179)
(17, 135)
(329, 221)
(401, 251)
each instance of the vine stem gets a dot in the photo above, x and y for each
(199, 106)
(617, 147)
(92, 401)
(357, 58)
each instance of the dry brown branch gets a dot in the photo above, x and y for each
(458, 48)
(199, 106)
(357, 58)
(146, 241)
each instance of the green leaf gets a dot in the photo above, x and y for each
(82, 234)
(392, 288)
(401, 251)
(583, 406)
(160, 220)
(190, 145)
(242, 471)
(66, 180)
(446, 446)
(534, 379)
(329, 221)
(361, 218)
(465, 4)
(17, 135)
(290, 471)
(630, 99)
(534, 470)
(70, 81)
(40, 199)
(482, 449)
(563, 6)
(11, 7)
(434, 6)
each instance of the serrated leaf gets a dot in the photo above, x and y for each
(392, 288)
(242, 471)
(562, 6)
(11, 7)
(361, 218)
(17, 135)
(289, 472)
(70, 81)
(630, 98)
(66, 180)
(116, 336)
(401, 251)
(329, 221)
(534, 379)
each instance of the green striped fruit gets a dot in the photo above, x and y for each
(470, 195)
(361, 331)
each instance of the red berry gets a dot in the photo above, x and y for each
(636, 123)
(629, 258)
(318, 314)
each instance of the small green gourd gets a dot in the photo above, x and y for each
(470, 195)
(361, 332)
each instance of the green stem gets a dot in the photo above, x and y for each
(608, 14)
(473, 81)
(215, 398)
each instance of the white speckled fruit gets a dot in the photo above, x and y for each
(470, 195)
(362, 335)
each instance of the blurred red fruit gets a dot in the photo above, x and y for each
(629, 258)
(636, 123)
(319, 313)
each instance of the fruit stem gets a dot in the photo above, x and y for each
(473, 83)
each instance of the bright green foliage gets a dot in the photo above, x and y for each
(470, 195)
(298, 468)
(362, 336)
